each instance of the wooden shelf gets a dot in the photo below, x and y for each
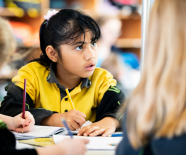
(128, 43)
(25, 46)
(4, 12)
(136, 16)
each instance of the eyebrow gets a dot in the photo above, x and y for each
(80, 42)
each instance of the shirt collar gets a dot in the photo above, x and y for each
(51, 78)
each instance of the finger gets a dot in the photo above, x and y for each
(79, 113)
(90, 130)
(97, 132)
(23, 122)
(71, 128)
(29, 116)
(29, 127)
(79, 120)
(75, 125)
(83, 130)
(19, 129)
(30, 120)
(107, 132)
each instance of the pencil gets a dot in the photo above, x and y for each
(68, 94)
(24, 99)
(66, 126)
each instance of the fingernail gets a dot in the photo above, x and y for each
(91, 134)
(85, 134)
(78, 134)
(103, 135)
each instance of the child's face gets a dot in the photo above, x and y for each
(78, 59)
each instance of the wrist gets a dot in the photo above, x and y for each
(8, 120)
(11, 125)
(53, 120)
(48, 121)
(115, 121)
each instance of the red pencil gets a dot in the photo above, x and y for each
(24, 99)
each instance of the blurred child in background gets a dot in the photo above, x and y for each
(113, 64)
(110, 27)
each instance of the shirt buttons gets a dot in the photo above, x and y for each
(89, 83)
(66, 99)
(66, 110)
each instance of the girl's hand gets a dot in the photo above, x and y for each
(74, 118)
(19, 124)
(104, 127)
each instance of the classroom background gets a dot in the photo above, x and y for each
(119, 46)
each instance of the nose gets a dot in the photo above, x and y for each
(89, 53)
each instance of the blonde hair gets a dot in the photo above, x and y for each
(7, 41)
(157, 107)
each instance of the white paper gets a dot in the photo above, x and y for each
(22, 146)
(85, 124)
(40, 131)
(95, 143)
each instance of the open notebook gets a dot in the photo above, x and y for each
(45, 131)
(95, 143)
(40, 132)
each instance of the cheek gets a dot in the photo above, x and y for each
(72, 61)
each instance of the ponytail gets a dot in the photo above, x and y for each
(44, 59)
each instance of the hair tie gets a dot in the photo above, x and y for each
(50, 14)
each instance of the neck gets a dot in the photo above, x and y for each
(66, 79)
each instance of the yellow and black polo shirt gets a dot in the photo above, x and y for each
(96, 96)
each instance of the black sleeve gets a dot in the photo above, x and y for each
(110, 103)
(13, 102)
(7, 145)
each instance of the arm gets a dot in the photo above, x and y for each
(106, 122)
(19, 124)
(12, 104)
(110, 103)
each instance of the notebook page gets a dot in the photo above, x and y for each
(95, 143)
(85, 124)
(39, 131)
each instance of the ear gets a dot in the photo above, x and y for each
(51, 53)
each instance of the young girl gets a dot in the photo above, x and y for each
(7, 142)
(69, 56)
(155, 117)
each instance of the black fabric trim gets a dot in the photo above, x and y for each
(109, 104)
(13, 102)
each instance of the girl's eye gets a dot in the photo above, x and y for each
(93, 44)
(79, 48)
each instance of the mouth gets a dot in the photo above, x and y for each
(90, 67)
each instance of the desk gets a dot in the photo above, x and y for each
(38, 142)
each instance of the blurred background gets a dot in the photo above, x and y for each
(119, 45)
